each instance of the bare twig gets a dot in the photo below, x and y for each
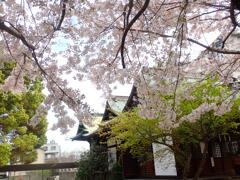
(212, 49)
(110, 25)
(51, 79)
(229, 34)
(205, 13)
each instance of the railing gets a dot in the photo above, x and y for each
(28, 167)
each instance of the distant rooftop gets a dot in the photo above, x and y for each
(52, 142)
(117, 103)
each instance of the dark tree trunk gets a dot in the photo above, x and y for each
(235, 4)
(187, 167)
(202, 162)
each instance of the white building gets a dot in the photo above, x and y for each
(52, 150)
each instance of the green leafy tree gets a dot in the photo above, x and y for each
(22, 124)
(93, 164)
(137, 133)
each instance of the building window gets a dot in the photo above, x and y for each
(216, 150)
(112, 157)
(226, 147)
(53, 148)
(218, 43)
(234, 147)
(53, 155)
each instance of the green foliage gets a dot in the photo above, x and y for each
(40, 131)
(5, 151)
(209, 125)
(19, 137)
(6, 70)
(137, 134)
(207, 91)
(93, 164)
(25, 142)
(116, 172)
(28, 156)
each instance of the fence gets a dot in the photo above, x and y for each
(42, 175)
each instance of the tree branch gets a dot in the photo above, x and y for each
(130, 4)
(51, 79)
(213, 49)
(221, 51)
(63, 13)
(140, 12)
(232, 13)
(229, 34)
(15, 33)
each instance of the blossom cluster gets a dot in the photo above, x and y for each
(110, 41)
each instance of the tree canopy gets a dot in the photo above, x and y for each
(22, 121)
(108, 41)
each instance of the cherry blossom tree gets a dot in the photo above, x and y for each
(109, 41)
(184, 132)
